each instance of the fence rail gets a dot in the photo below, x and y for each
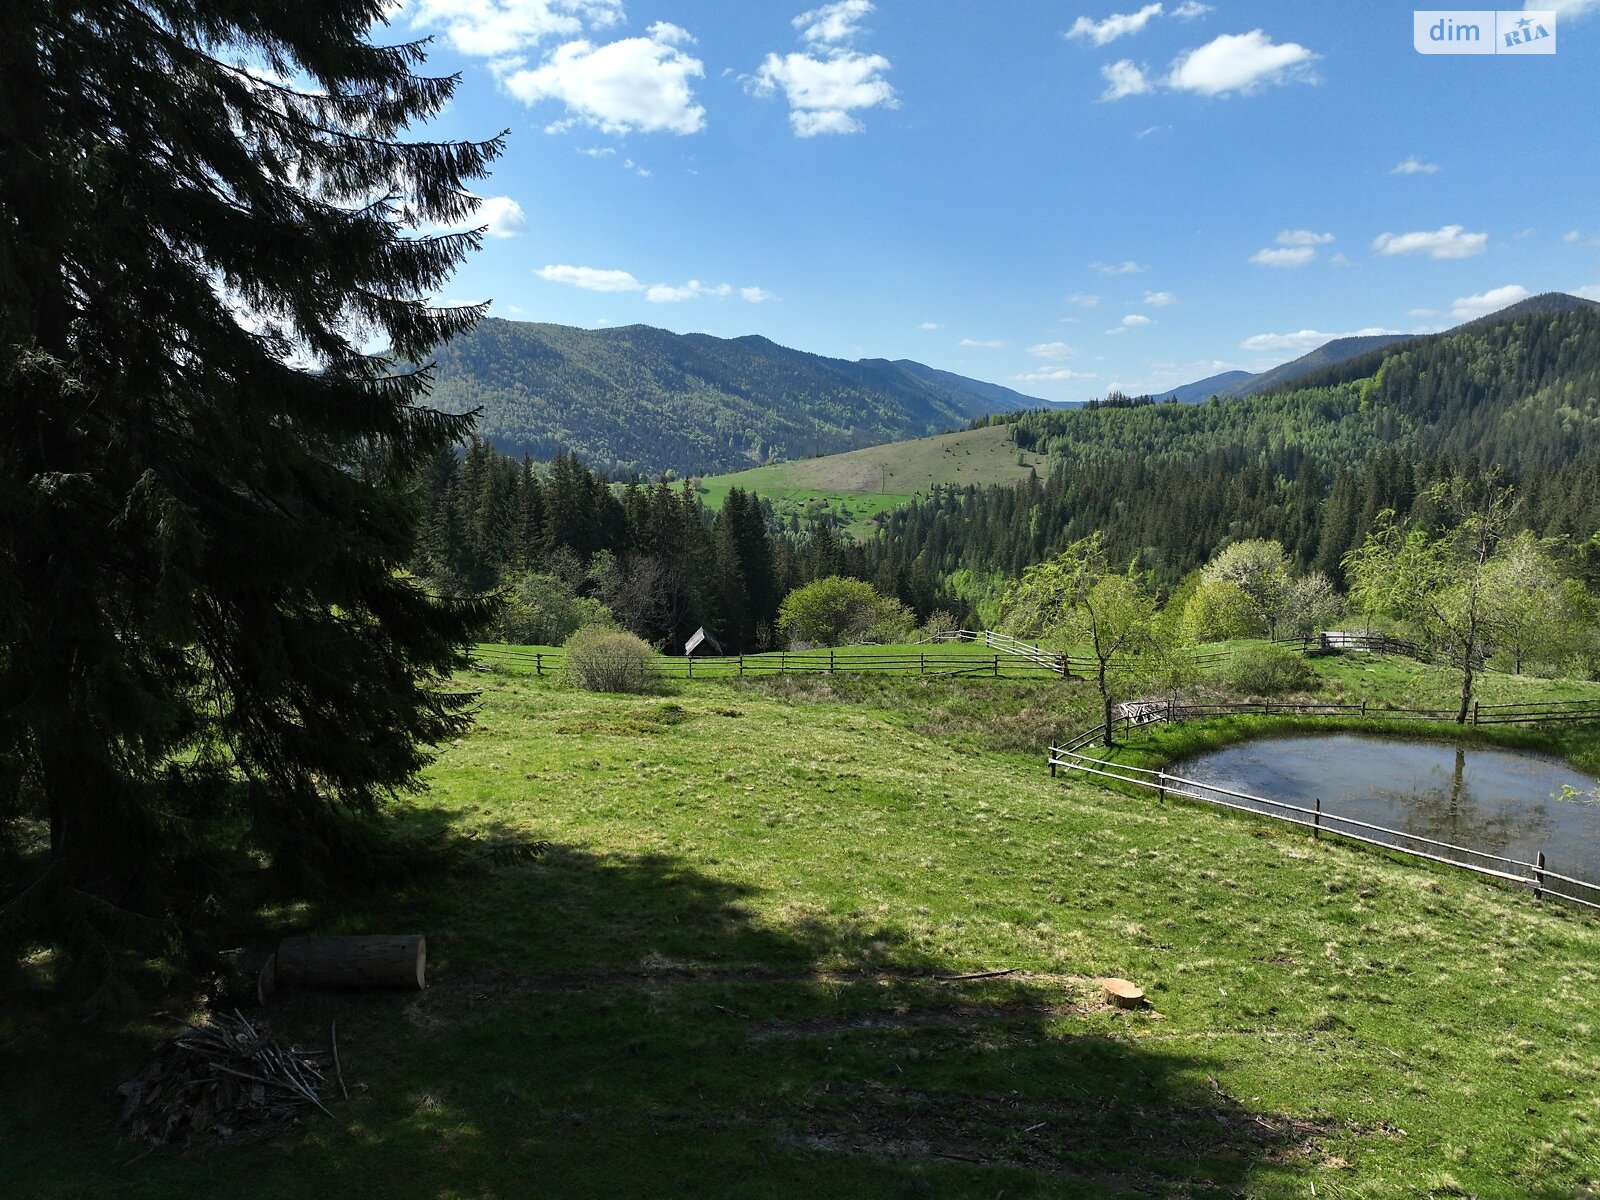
(931, 662)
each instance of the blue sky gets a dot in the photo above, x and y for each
(1066, 199)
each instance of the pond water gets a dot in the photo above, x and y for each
(1499, 802)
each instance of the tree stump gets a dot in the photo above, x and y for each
(399, 961)
(1121, 993)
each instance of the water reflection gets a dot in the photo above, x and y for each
(1497, 801)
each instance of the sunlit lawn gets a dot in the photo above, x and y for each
(726, 979)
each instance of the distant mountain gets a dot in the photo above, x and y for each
(1223, 385)
(641, 399)
(1360, 366)
(1232, 384)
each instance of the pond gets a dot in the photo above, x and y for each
(1497, 802)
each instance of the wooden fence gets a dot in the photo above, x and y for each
(1535, 875)
(931, 662)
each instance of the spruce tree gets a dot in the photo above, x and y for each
(207, 212)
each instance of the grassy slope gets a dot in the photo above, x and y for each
(719, 983)
(874, 480)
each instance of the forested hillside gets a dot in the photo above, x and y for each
(1167, 484)
(640, 400)
(1308, 467)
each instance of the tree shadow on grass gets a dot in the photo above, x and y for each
(626, 1025)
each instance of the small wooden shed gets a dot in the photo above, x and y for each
(701, 642)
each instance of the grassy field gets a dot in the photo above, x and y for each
(732, 975)
(858, 485)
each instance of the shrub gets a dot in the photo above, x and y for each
(1268, 671)
(836, 610)
(600, 659)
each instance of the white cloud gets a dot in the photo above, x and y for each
(1242, 63)
(1055, 351)
(598, 151)
(1564, 9)
(663, 293)
(1305, 339)
(1189, 10)
(824, 92)
(1126, 267)
(503, 216)
(637, 84)
(1144, 133)
(1124, 78)
(1590, 292)
(1130, 322)
(497, 216)
(1493, 300)
(1450, 242)
(590, 279)
(1083, 299)
(1160, 299)
(1414, 166)
(989, 344)
(833, 23)
(929, 326)
(1115, 26)
(594, 279)
(1303, 237)
(1059, 375)
(1576, 237)
(1340, 260)
(828, 84)
(1422, 312)
(497, 28)
(1285, 256)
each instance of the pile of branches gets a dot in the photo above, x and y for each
(226, 1081)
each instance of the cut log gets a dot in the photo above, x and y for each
(1121, 993)
(399, 961)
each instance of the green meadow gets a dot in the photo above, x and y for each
(859, 485)
(841, 936)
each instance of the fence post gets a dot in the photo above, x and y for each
(741, 664)
(830, 660)
(1474, 712)
(1538, 876)
(1052, 757)
(1064, 673)
(997, 666)
(538, 663)
(1363, 708)
(690, 661)
(783, 663)
(1161, 781)
(1316, 829)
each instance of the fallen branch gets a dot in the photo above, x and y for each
(976, 975)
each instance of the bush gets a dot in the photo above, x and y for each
(600, 659)
(1268, 671)
(837, 610)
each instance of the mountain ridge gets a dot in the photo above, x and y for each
(1234, 384)
(636, 399)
